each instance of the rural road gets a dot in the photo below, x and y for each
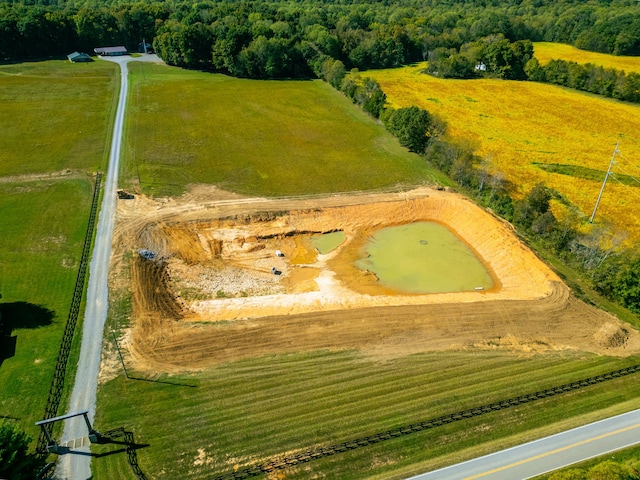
(547, 454)
(76, 465)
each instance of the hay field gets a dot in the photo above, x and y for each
(256, 137)
(516, 125)
(545, 51)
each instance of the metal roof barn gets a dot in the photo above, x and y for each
(79, 57)
(111, 51)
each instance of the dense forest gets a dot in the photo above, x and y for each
(286, 38)
(328, 39)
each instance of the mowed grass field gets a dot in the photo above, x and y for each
(43, 217)
(545, 51)
(521, 127)
(268, 138)
(241, 414)
(55, 116)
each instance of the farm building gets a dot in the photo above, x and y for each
(111, 51)
(79, 57)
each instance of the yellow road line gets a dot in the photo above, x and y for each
(553, 452)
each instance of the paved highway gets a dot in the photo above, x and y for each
(76, 465)
(547, 454)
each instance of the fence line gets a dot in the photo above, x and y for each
(304, 457)
(59, 374)
(130, 448)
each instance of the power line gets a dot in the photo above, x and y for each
(628, 178)
(629, 162)
(630, 189)
(606, 177)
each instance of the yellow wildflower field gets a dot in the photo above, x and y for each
(514, 125)
(545, 51)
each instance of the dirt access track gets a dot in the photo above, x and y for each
(210, 296)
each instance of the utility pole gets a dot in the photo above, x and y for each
(604, 182)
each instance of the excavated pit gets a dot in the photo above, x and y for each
(211, 296)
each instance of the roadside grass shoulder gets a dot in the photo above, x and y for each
(519, 127)
(629, 457)
(55, 116)
(267, 138)
(546, 51)
(43, 228)
(244, 413)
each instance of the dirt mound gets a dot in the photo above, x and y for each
(612, 336)
(211, 295)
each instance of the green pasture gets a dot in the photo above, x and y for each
(56, 121)
(56, 115)
(43, 229)
(256, 137)
(242, 413)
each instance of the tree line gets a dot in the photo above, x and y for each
(285, 39)
(496, 57)
(609, 82)
(282, 38)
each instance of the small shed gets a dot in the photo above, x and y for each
(79, 57)
(111, 51)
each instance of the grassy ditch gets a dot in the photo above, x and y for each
(628, 457)
(577, 171)
(244, 413)
(267, 138)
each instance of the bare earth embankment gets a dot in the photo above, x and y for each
(210, 295)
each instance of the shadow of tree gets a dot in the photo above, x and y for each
(19, 315)
(24, 315)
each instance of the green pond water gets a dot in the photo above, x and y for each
(423, 257)
(327, 242)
